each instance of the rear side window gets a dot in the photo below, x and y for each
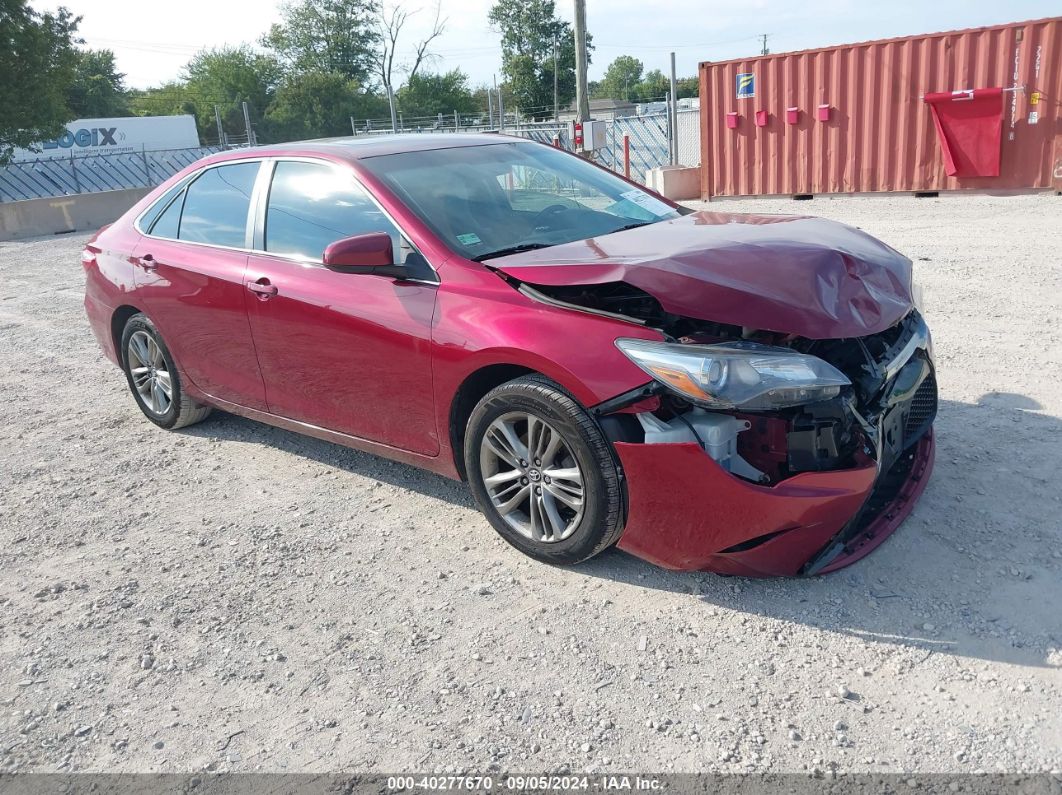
(313, 205)
(216, 205)
(149, 218)
(169, 221)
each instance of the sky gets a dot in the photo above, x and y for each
(152, 41)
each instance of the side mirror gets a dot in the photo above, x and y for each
(370, 253)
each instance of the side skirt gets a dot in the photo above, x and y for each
(440, 465)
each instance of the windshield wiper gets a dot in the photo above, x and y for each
(501, 252)
(633, 226)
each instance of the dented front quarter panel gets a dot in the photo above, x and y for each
(790, 274)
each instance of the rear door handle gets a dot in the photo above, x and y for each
(263, 289)
(147, 262)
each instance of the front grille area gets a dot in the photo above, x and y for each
(922, 411)
(886, 491)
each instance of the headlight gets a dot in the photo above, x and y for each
(731, 375)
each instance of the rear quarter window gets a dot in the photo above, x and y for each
(150, 216)
(168, 221)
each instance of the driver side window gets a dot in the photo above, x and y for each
(312, 205)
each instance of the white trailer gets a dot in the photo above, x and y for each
(117, 136)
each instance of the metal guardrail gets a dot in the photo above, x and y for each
(48, 177)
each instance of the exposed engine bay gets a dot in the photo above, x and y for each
(890, 404)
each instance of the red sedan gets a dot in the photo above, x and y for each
(742, 394)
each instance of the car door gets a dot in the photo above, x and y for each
(191, 263)
(346, 352)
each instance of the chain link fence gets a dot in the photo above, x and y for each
(648, 134)
(50, 177)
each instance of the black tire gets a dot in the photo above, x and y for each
(182, 411)
(601, 522)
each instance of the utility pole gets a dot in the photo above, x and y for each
(556, 102)
(221, 130)
(490, 110)
(673, 114)
(764, 50)
(391, 100)
(247, 123)
(582, 100)
(501, 106)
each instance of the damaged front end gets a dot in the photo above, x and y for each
(800, 455)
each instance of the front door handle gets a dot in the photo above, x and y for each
(147, 262)
(263, 289)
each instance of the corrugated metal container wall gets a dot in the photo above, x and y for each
(880, 134)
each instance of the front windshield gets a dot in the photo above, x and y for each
(492, 200)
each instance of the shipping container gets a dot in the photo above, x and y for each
(853, 119)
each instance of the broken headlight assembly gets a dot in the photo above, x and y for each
(737, 375)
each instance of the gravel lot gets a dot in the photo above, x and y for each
(233, 597)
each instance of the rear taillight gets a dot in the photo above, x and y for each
(88, 258)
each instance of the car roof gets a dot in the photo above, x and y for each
(365, 146)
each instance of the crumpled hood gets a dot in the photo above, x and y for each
(791, 274)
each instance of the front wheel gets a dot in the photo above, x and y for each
(543, 473)
(153, 377)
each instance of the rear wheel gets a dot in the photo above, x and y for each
(542, 472)
(153, 377)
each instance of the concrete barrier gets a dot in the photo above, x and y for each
(80, 213)
(677, 183)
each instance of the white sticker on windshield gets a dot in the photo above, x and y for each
(646, 202)
(469, 239)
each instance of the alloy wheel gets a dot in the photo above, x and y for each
(150, 373)
(532, 477)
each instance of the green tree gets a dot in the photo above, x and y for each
(318, 104)
(327, 36)
(479, 97)
(687, 87)
(529, 31)
(228, 77)
(653, 87)
(432, 94)
(37, 58)
(98, 88)
(169, 99)
(621, 79)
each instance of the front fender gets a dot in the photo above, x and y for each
(500, 326)
(575, 349)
